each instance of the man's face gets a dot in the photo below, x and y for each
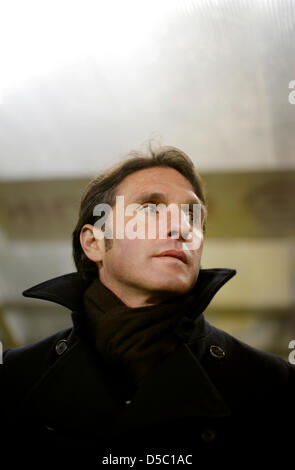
(132, 268)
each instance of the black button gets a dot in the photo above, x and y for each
(208, 435)
(217, 351)
(61, 346)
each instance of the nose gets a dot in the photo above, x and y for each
(178, 226)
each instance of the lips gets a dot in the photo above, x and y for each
(174, 254)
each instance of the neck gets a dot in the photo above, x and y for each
(135, 299)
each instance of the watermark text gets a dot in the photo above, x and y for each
(292, 93)
(291, 357)
(150, 221)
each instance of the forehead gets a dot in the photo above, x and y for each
(166, 180)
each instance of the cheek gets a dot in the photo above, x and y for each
(125, 253)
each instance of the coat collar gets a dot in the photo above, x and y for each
(67, 290)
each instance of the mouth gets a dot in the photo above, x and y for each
(173, 254)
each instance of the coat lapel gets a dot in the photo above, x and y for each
(178, 387)
(73, 394)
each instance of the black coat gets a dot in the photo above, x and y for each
(213, 397)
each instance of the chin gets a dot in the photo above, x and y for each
(175, 287)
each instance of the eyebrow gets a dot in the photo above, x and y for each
(161, 197)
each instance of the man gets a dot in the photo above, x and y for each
(142, 378)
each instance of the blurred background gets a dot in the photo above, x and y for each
(82, 83)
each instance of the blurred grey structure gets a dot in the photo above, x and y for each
(213, 78)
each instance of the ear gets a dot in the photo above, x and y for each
(92, 242)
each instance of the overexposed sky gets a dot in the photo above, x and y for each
(83, 82)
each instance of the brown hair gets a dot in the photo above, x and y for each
(102, 189)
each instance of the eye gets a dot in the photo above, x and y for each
(150, 208)
(190, 217)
